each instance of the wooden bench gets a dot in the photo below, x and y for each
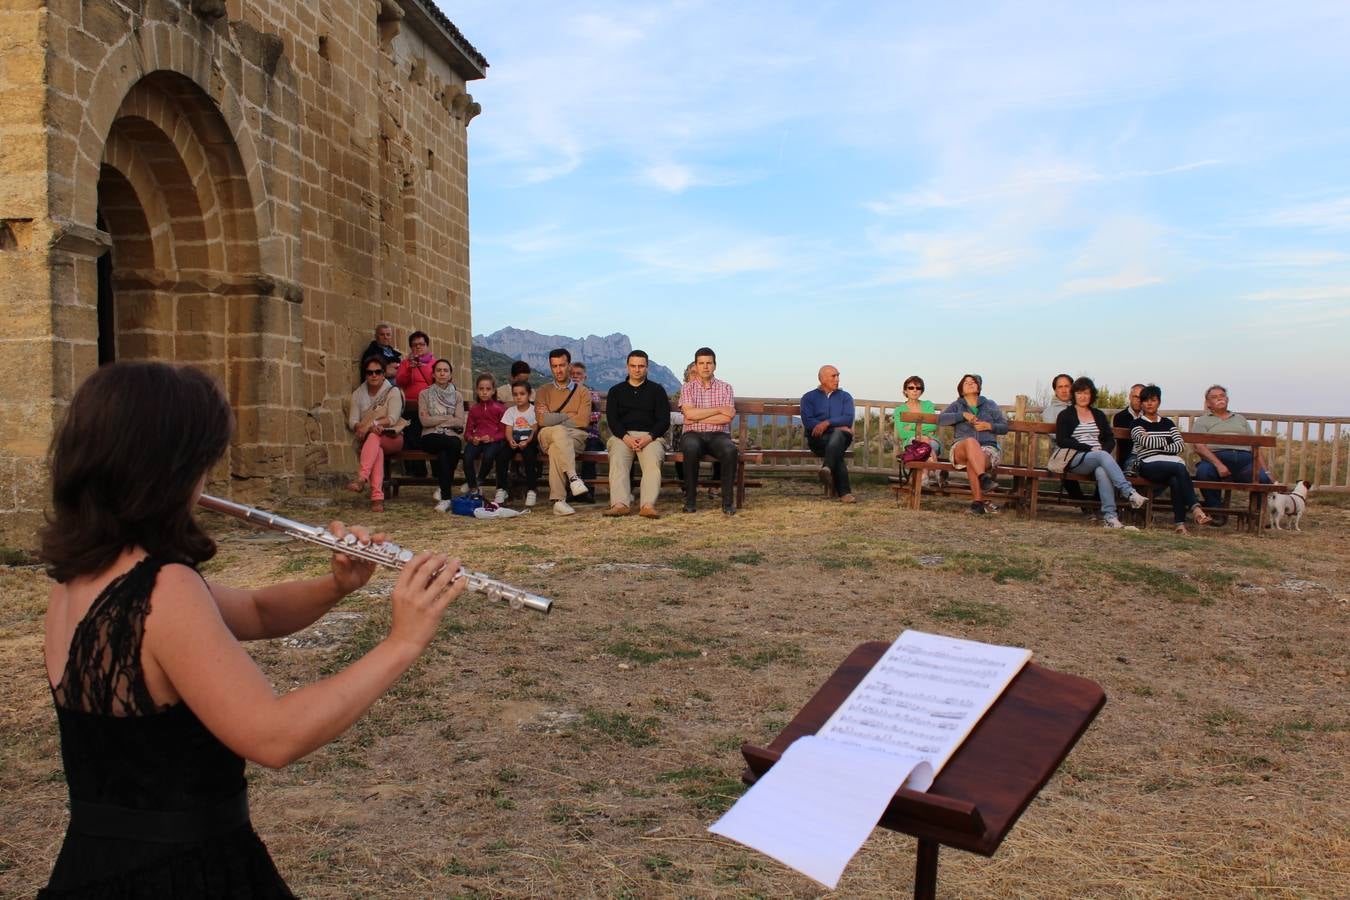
(1027, 443)
(745, 456)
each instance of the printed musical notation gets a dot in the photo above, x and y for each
(923, 697)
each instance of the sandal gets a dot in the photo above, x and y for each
(357, 485)
(1182, 529)
(1199, 516)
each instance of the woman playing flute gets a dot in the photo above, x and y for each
(157, 702)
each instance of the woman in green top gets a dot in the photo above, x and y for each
(906, 432)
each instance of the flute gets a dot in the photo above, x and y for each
(385, 553)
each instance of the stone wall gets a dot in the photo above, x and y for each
(273, 177)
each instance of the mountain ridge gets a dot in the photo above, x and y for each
(606, 357)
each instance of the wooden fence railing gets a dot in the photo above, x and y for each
(1312, 448)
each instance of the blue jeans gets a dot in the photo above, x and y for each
(830, 447)
(1178, 481)
(492, 452)
(1109, 478)
(1239, 463)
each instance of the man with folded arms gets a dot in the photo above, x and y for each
(563, 412)
(827, 416)
(708, 405)
(638, 413)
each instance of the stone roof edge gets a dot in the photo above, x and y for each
(436, 27)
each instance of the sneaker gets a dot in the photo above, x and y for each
(990, 507)
(560, 508)
(576, 485)
(436, 494)
(443, 506)
(500, 497)
(977, 508)
(987, 483)
(618, 509)
(531, 498)
(728, 510)
(463, 488)
(1138, 500)
(1112, 522)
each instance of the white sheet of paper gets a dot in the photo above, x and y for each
(817, 805)
(924, 696)
(814, 809)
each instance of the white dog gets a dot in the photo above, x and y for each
(1289, 506)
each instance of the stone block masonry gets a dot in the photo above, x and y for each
(244, 186)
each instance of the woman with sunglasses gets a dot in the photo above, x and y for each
(908, 432)
(376, 422)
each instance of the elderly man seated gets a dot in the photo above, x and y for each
(1219, 462)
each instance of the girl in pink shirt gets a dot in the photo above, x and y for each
(485, 437)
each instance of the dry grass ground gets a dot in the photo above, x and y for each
(584, 753)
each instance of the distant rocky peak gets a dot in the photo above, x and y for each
(606, 358)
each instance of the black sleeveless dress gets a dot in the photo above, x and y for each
(159, 806)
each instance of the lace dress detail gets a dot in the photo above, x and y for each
(158, 804)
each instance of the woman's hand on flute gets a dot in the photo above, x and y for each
(349, 572)
(425, 587)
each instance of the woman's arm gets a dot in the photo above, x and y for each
(189, 652)
(952, 414)
(996, 418)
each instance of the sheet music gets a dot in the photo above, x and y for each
(815, 807)
(923, 697)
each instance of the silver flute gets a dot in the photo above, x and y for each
(384, 553)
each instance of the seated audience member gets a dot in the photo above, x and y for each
(1159, 446)
(638, 414)
(564, 411)
(442, 416)
(708, 405)
(977, 422)
(1060, 400)
(1083, 427)
(383, 345)
(908, 432)
(1125, 419)
(520, 374)
(414, 376)
(485, 438)
(390, 373)
(828, 415)
(1217, 461)
(522, 435)
(375, 420)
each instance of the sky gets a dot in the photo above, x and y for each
(1145, 191)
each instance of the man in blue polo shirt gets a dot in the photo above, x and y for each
(827, 416)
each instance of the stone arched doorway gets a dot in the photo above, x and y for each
(173, 197)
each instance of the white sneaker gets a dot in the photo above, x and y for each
(443, 506)
(436, 494)
(531, 498)
(576, 485)
(1138, 500)
(464, 488)
(560, 508)
(500, 497)
(1112, 522)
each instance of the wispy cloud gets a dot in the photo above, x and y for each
(713, 254)
(1325, 215)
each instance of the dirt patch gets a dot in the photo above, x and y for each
(584, 753)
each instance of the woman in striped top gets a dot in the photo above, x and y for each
(1084, 428)
(1158, 445)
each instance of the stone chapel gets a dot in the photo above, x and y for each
(245, 185)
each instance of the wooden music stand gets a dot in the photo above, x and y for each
(989, 780)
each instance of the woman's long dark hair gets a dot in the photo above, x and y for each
(137, 438)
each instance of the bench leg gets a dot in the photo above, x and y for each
(740, 483)
(915, 487)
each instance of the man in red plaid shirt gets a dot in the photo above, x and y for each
(708, 405)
